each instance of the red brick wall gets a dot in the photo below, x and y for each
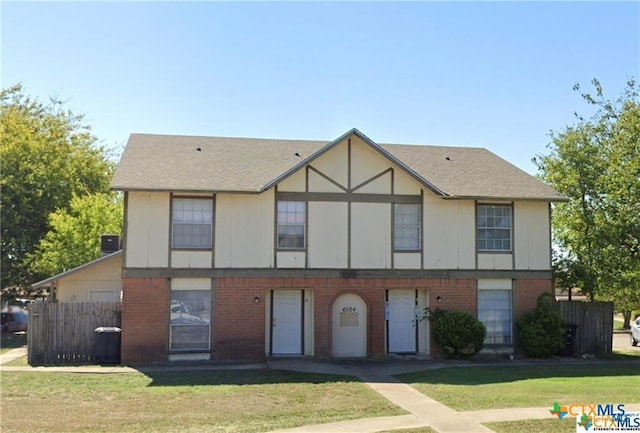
(526, 295)
(145, 320)
(238, 322)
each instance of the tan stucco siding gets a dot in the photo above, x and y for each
(449, 233)
(244, 230)
(365, 162)
(102, 277)
(406, 260)
(328, 235)
(405, 184)
(532, 236)
(333, 163)
(294, 183)
(371, 235)
(317, 183)
(191, 259)
(381, 185)
(291, 259)
(502, 261)
(147, 235)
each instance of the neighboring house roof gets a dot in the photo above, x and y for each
(55, 278)
(221, 164)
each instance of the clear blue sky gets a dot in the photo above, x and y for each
(490, 74)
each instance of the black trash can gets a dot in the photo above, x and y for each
(569, 336)
(107, 348)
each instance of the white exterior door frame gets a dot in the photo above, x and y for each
(287, 322)
(401, 320)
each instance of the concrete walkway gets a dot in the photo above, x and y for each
(13, 354)
(424, 411)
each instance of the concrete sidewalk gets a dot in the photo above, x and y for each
(432, 413)
(13, 354)
(424, 411)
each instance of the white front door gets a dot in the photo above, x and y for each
(401, 321)
(286, 322)
(349, 326)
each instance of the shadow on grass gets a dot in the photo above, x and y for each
(240, 377)
(503, 374)
(623, 355)
(12, 340)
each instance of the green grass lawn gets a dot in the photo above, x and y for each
(538, 425)
(618, 321)
(214, 401)
(475, 388)
(551, 425)
(10, 341)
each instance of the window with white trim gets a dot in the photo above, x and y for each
(190, 319)
(494, 228)
(495, 311)
(291, 224)
(406, 227)
(192, 223)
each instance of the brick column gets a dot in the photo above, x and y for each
(145, 320)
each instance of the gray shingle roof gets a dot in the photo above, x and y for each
(221, 164)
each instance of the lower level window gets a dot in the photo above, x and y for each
(190, 319)
(494, 310)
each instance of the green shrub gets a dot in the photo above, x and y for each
(457, 333)
(541, 332)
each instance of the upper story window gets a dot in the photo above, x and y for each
(192, 224)
(406, 227)
(494, 228)
(291, 224)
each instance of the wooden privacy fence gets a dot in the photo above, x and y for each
(63, 333)
(594, 320)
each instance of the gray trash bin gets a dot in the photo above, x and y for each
(107, 347)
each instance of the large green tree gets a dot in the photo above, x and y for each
(596, 163)
(75, 235)
(48, 155)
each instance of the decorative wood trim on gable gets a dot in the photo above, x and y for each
(366, 140)
(373, 178)
(348, 197)
(324, 176)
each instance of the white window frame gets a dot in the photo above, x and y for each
(498, 319)
(196, 217)
(399, 225)
(291, 216)
(181, 309)
(487, 223)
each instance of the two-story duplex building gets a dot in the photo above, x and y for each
(237, 249)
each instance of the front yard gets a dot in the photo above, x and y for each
(264, 400)
(476, 388)
(214, 401)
